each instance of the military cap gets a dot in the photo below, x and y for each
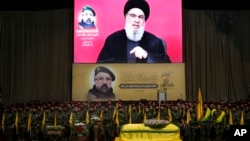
(106, 70)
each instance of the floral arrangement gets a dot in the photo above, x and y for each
(53, 128)
(96, 120)
(80, 129)
(155, 123)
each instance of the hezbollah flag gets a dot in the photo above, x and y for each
(43, 120)
(159, 114)
(242, 118)
(115, 109)
(87, 117)
(188, 116)
(16, 121)
(169, 115)
(3, 121)
(139, 109)
(199, 106)
(230, 120)
(55, 119)
(71, 119)
(183, 115)
(117, 117)
(114, 113)
(130, 115)
(129, 108)
(29, 123)
(145, 116)
(101, 115)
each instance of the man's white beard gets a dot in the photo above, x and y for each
(134, 34)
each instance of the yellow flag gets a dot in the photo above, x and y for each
(139, 109)
(87, 117)
(159, 114)
(16, 121)
(230, 122)
(114, 112)
(129, 108)
(117, 117)
(3, 121)
(188, 116)
(199, 106)
(55, 119)
(29, 122)
(43, 120)
(169, 115)
(129, 113)
(242, 118)
(115, 109)
(144, 117)
(101, 115)
(130, 116)
(183, 112)
(71, 119)
(116, 105)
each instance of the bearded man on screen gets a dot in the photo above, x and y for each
(133, 44)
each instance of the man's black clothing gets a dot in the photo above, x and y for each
(115, 49)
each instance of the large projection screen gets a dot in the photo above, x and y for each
(165, 21)
(133, 81)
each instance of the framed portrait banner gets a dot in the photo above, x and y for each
(128, 81)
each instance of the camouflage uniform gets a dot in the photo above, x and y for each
(10, 131)
(123, 116)
(22, 122)
(107, 124)
(122, 119)
(247, 116)
(177, 116)
(148, 114)
(206, 121)
(78, 115)
(135, 115)
(67, 131)
(219, 121)
(92, 112)
(192, 123)
(236, 116)
(163, 112)
(34, 122)
(62, 121)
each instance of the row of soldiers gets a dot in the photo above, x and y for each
(28, 121)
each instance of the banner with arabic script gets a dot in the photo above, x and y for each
(131, 81)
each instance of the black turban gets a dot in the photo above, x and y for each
(141, 4)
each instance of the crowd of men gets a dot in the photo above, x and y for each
(25, 121)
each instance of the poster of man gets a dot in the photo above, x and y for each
(102, 82)
(102, 88)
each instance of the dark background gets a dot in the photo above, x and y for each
(186, 4)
